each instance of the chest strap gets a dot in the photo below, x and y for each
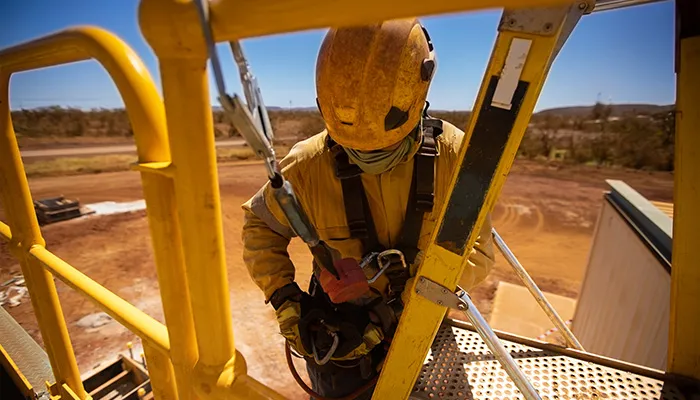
(420, 201)
(357, 211)
(361, 224)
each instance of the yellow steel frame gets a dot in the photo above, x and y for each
(421, 319)
(684, 332)
(173, 349)
(193, 355)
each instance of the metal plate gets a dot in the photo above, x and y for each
(459, 366)
(438, 294)
(540, 21)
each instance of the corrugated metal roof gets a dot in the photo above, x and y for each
(653, 225)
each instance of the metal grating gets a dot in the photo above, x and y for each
(459, 366)
(29, 357)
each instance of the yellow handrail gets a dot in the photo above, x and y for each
(137, 321)
(146, 113)
(130, 75)
(172, 27)
(5, 232)
(174, 352)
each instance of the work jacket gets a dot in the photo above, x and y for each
(309, 167)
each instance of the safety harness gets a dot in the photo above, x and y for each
(361, 224)
(348, 321)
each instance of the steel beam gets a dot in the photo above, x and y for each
(684, 332)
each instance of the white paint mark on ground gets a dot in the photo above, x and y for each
(112, 207)
(94, 320)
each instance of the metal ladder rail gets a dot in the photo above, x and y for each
(525, 48)
(535, 291)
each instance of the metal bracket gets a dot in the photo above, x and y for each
(443, 296)
(539, 21)
(545, 21)
(440, 295)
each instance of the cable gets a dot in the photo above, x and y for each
(310, 392)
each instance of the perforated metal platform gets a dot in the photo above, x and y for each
(460, 366)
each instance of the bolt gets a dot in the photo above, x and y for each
(417, 291)
(511, 22)
(461, 307)
(444, 291)
(547, 27)
(582, 6)
(439, 302)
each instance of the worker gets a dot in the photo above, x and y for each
(372, 184)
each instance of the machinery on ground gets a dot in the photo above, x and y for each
(194, 355)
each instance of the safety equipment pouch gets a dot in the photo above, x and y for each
(351, 285)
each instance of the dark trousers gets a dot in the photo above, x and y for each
(331, 380)
(340, 379)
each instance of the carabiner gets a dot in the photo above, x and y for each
(384, 261)
(327, 357)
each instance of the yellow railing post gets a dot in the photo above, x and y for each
(190, 131)
(684, 332)
(190, 128)
(17, 201)
(220, 371)
(160, 371)
(172, 280)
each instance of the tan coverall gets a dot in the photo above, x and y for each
(309, 167)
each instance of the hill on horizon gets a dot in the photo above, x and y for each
(618, 110)
(568, 111)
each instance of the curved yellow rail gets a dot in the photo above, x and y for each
(130, 75)
(146, 113)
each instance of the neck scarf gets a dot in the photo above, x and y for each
(379, 161)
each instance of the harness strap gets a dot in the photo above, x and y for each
(361, 224)
(359, 218)
(422, 194)
(420, 201)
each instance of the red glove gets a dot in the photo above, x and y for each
(351, 285)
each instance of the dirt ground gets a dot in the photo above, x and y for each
(546, 214)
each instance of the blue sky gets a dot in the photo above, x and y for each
(625, 56)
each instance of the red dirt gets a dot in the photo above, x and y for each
(546, 215)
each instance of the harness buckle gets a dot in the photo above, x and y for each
(358, 228)
(424, 201)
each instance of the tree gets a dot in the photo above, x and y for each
(601, 111)
(549, 129)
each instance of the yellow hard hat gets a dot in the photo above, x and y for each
(372, 82)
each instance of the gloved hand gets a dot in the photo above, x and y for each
(372, 337)
(321, 324)
(288, 316)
